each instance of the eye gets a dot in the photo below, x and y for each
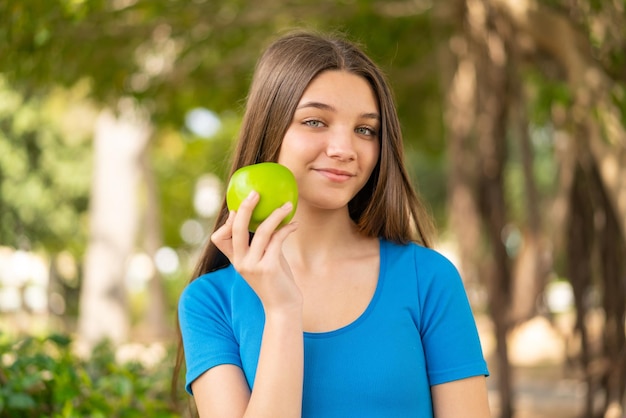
(365, 130)
(314, 123)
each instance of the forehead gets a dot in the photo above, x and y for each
(339, 87)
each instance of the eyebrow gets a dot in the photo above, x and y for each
(324, 106)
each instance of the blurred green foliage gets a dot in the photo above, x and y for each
(45, 170)
(41, 376)
(179, 159)
(173, 56)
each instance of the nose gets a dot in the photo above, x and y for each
(340, 145)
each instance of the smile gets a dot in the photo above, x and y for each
(335, 175)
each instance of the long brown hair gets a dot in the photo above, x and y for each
(387, 206)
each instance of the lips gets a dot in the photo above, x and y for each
(334, 174)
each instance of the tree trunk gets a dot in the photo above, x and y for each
(611, 250)
(596, 258)
(579, 255)
(463, 166)
(154, 322)
(553, 33)
(493, 99)
(477, 116)
(601, 152)
(118, 145)
(533, 261)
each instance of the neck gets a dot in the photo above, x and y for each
(322, 237)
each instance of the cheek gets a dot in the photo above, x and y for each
(371, 156)
(285, 153)
(288, 155)
(297, 147)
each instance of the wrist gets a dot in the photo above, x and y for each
(285, 313)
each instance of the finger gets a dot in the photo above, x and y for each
(267, 229)
(275, 246)
(222, 237)
(241, 222)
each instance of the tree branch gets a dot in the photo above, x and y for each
(556, 35)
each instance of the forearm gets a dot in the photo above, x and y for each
(278, 383)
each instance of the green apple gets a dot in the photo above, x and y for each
(275, 184)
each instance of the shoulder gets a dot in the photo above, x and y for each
(426, 261)
(427, 270)
(213, 287)
(218, 279)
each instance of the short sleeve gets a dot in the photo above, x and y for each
(205, 321)
(449, 335)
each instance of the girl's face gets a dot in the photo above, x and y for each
(332, 144)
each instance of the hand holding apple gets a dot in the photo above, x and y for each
(275, 184)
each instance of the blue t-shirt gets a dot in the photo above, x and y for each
(417, 331)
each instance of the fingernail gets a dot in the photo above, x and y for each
(253, 194)
(287, 205)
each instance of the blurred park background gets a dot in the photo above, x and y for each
(116, 122)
